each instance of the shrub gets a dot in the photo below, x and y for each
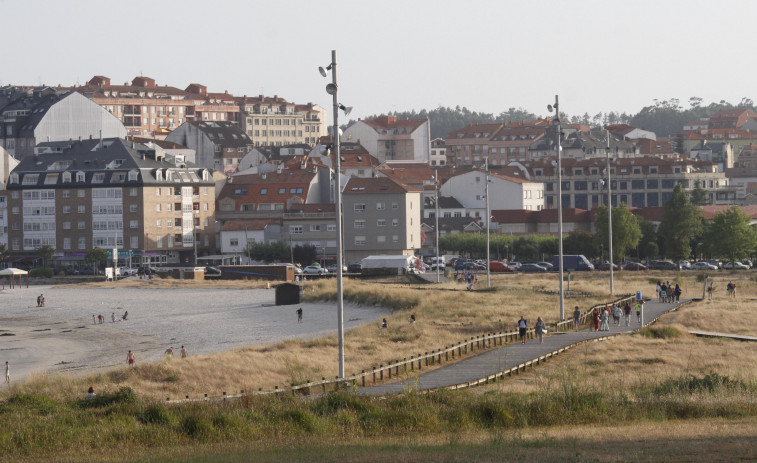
(41, 272)
(690, 384)
(339, 400)
(42, 404)
(661, 332)
(197, 427)
(156, 414)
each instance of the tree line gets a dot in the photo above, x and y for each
(666, 118)
(683, 234)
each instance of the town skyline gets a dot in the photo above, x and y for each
(400, 57)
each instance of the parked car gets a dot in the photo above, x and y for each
(546, 265)
(333, 268)
(735, 266)
(664, 265)
(514, 265)
(685, 265)
(143, 270)
(634, 266)
(532, 268)
(128, 271)
(314, 270)
(354, 268)
(703, 266)
(715, 262)
(212, 271)
(606, 266)
(499, 266)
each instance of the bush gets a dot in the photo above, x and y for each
(41, 272)
(197, 427)
(690, 384)
(156, 414)
(661, 332)
(42, 404)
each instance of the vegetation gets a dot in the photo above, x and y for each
(730, 235)
(626, 231)
(680, 224)
(278, 251)
(96, 256)
(46, 253)
(4, 252)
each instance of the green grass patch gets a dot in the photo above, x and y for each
(661, 332)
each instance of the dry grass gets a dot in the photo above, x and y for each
(447, 314)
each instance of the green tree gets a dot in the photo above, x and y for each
(46, 253)
(526, 248)
(730, 235)
(648, 243)
(95, 256)
(626, 232)
(699, 195)
(579, 242)
(680, 225)
(304, 255)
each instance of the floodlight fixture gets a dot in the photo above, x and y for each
(347, 109)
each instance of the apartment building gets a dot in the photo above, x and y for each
(637, 182)
(277, 122)
(218, 145)
(7, 164)
(438, 155)
(381, 216)
(29, 116)
(312, 225)
(389, 138)
(110, 193)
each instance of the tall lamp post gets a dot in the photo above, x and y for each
(556, 120)
(488, 220)
(609, 211)
(332, 89)
(436, 215)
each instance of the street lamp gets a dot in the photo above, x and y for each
(556, 120)
(436, 215)
(609, 211)
(332, 89)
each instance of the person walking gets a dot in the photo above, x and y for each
(539, 329)
(299, 315)
(7, 373)
(169, 353)
(183, 352)
(658, 288)
(605, 320)
(638, 311)
(113, 317)
(522, 328)
(617, 312)
(627, 312)
(576, 317)
(595, 319)
(677, 293)
(710, 289)
(130, 358)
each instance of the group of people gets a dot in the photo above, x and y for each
(40, 300)
(100, 319)
(131, 359)
(730, 289)
(540, 329)
(468, 277)
(600, 318)
(667, 293)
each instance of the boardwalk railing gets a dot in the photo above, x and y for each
(397, 369)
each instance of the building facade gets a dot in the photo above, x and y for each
(111, 194)
(218, 145)
(391, 139)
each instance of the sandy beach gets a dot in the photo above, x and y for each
(62, 337)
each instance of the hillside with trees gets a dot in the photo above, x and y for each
(664, 117)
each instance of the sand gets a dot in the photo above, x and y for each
(62, 337)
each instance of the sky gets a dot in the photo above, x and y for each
(392, 55)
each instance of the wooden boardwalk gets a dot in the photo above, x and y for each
(513, 357)
(737, 337)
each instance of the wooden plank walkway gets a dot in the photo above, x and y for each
(513, 357)
(737, 337)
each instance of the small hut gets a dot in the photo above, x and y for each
(288, 294)
(13, 273)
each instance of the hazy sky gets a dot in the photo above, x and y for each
(397, 55)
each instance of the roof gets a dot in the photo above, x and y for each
(476, 131)
(269, 187)
(247, 225)
(224, 133)
(166, 145)
(391, 122)
(377, 185)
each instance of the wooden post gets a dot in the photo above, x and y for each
(363, 378)
(381, 371)
(389, 364)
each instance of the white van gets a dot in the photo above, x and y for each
(441, 260)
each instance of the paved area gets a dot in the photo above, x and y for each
(512, 355)
(737, 337)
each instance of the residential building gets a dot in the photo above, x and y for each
(733, 119)
(7, 164)
(470, 145)
(580, 144)
(381, 216)
(636, 182)
(169, 151)
(312, 225)
(658, 148)
(438, 154)
(469, 189)
(389, 138)
(719, 153)
(111, 193)
(218, 145)
(237, 235)
(31, 116)
(627, 132)
(277, 122)
(512, 141)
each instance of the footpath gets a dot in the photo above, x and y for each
(509, 356)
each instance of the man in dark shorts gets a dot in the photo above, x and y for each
(522, 328)
(576, 317)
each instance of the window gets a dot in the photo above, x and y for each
(395, 238)
(157, 207)
(264, 191)
(81, 225)
(315, 228)
(381, 223)
(331, 228)
(295, 229)
(234, 242)
(359, 207)
(99, 177)
(381, 239)
(360, 241)
(81, 209)
(133, 208)
(282, 191)
(396, 222)
(30, 179)
(133, 224)
(132, 192)
(157, 192)
(66, 193)
(82, 243)
(159, 223)
(159, 242)
(66, 209)
(204, 206)
(359, 224)
(169, 223)
(67, 243)
(395, 206)
(134, 242)
(67, 225)
(380, 206)
(81, 193)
